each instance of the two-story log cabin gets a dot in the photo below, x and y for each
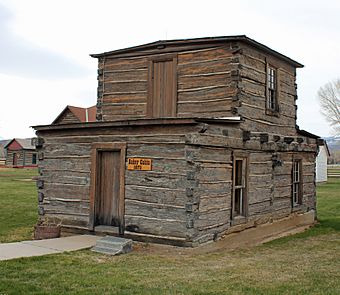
(193, 139)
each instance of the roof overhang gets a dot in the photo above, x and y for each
(206, 41)
(306, 133)
(138, 122)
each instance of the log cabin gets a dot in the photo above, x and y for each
(21, 153)
(71, 114)
(194, 139)
(3, 153)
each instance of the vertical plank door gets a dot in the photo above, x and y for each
(15, 159)
(108, 188)
(162, 97)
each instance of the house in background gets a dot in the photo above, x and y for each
(3, 152)
(20, 153)
(321, 162)
(193, 139)
(73, 114)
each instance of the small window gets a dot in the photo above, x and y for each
(34, 159)
(239, 201)
(272, 101)
(297, 183)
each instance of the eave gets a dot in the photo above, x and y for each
(165, 46)
(138, 122)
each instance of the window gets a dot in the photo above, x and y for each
(297, 183)
(34, 159)
(272, 101)
(239, 200)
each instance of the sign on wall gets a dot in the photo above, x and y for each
(139, 164)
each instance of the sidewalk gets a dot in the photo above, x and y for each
(43, 247)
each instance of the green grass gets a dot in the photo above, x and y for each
(18, 204)
(329, 204)
(306, 263)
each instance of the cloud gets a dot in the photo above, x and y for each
(22, 58)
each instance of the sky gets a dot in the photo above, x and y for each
(45, 46)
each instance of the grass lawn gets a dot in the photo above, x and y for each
(307, 263)
(18, 204)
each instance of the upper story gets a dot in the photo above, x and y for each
(215, 77)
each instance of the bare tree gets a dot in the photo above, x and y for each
(329, 96)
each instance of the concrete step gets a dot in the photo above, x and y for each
(110, 240)
(113, 245)
(105, 250)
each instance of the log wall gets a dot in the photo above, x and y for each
(205, 84)
(187, 196)
(269, 182)
(252, 95)
(67, 117)
(155, 201)
(24, 158)
(219, 81)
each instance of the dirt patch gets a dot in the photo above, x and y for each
(242, 240)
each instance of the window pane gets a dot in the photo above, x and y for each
(34, 159)
(238, 202)
(238, 172)
(296, 191)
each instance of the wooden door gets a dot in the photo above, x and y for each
(107, 200)
(15, 159)
(162, 96)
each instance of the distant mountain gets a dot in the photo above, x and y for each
(333, 142)
(3, 142)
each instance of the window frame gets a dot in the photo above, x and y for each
(272, 90)
(241, 186)
(297, 182)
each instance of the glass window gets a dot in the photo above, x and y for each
(297, 185)
(239, 187)
(34, 159)
(272, 103)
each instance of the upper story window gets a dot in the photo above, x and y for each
(272, 93)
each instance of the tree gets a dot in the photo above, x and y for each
(329, 96)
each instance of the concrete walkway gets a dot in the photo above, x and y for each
(43, 247)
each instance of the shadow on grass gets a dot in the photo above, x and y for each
(323, 227)
(330, 223)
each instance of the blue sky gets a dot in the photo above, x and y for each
(45, 47)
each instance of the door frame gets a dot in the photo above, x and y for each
(107, 147)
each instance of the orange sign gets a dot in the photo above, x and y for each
(139, 164)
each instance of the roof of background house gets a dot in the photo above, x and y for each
(167, 44)
(83, 114)
(25, 143)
